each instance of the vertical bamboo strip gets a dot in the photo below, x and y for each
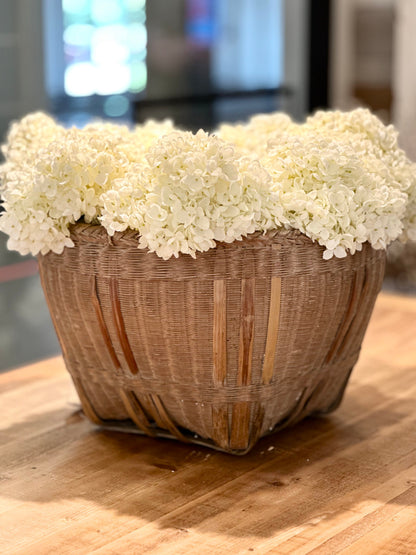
(219, 414)
(102, 325)
(164, 417)
(272, 329)
(220, 332)
(240, 427)
(258, 412)
(220, 429)
(246, 331)
(120, 327)
(136, 412)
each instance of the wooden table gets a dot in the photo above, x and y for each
(345, 483)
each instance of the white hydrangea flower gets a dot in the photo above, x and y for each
(62, 176)
(252, 138)
(149, 131)
(27, 136)
(328, 193)
(24, 140)
(378, 145)
(121, 204)
(194, 191)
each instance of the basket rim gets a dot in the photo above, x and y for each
(280, 252)
(82, 232)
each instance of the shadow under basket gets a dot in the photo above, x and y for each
(244, 340)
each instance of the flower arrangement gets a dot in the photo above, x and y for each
(242, 341)
(339, 178)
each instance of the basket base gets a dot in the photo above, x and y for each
(298, 413)
(127, 426)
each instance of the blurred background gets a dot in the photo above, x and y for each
(197, 62)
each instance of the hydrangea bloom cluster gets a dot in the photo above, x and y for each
(339, 178)
(53, 177)
(193, 191)
(377, 146)
(252, 137)
(329, 195)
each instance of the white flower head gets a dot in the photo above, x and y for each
(197, 192)
(252, 138)
(328, 193)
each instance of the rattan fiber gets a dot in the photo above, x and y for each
(248, 338)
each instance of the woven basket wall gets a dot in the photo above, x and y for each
(248, 338)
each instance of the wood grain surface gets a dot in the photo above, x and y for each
(345, 483)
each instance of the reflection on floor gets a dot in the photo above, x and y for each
(26, 330)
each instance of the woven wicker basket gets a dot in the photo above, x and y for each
(248, 338)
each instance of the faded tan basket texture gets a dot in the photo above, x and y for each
(220, 350)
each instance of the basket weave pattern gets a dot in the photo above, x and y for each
(248, 338)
